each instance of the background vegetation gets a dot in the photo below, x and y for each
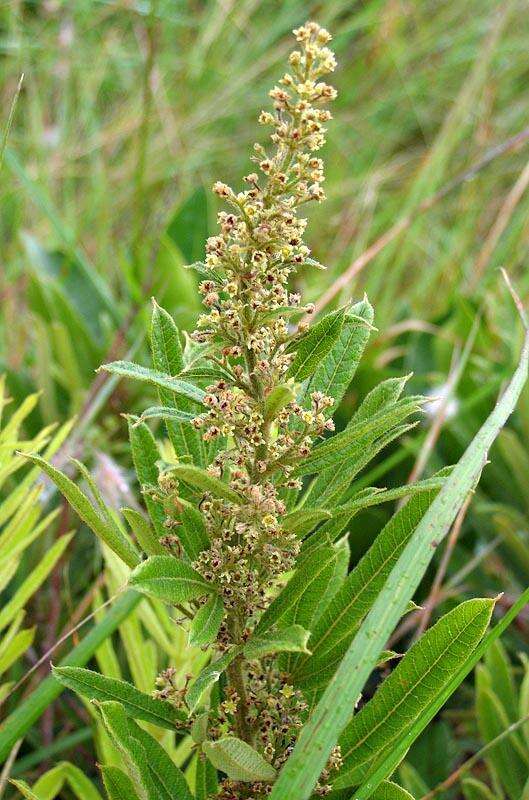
(126, 113)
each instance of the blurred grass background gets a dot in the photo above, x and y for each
(126, 114)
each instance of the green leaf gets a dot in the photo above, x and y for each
(300, 774)
(278, 398)
(168, 579)
(145, 456)
(206, 623)
(399, 700)
(176, 411)
(335, 629)
(292, 639)
(391, 791)
(35, 579)
(298, 601)
(165, 775)
(159, 379)
(334, 374)
(304, 520)
(108, 532)
(476, 790)
(24, 790)
(238, 760)
(118, 785)
(198, 478)
(136, 704)
(502, 679)
(206, 784)
(504, 758)
(192, 531)
(208, 677)
(144, 533)
(314, 345)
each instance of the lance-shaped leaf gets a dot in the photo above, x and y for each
(118, 785)
(336, 371)
(314, 345)
(238, 760)
(206, 623)
(298, 601)
(332, 452)
(476, 790)
(24, 790)
(137, 704)
(400, 699)
(304, 520)
(109, 533)
(291, 639)
(142, 529)
(169, 780)
(192, 531)
(177, 411)
(199, 479)
(169, 579)
(208, 677)
(168, 414)
(336, 627)
(159, 379)
(145, 455)
(276, 400)
(206, 783)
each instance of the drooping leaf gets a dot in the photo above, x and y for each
(314, 345)
(238, 760)
(110, 534)
(198, 478)
(137, 704)
(291, 639)
(159, 379)
(206, 622)
(169, 579)
(430, 662)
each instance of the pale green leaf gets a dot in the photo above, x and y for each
(208, 677)
(199, 479)
(118, 785)
(238, 760)
(291, 639)
(145, 456)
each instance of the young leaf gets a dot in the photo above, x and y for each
(276, 400)
(137, 704)
(399, 700)
(169, 415)
(110, 534)
(238, 760)
(169, 579)
(144, 533)
(145, 456)
(314, 345)
(292, 639)
(208, 677)
(198, 478)
(206, 623)
(118, 785)
(159, 379)
(177, 411)
(335, 372)
(300, 774)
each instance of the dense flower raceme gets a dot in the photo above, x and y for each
(247, 329)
